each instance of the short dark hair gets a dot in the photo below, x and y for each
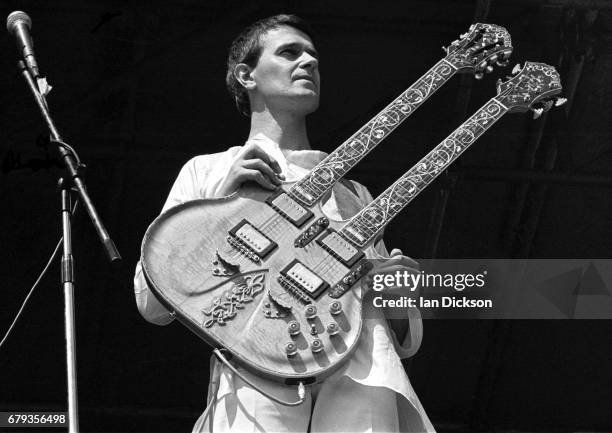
(246, 48)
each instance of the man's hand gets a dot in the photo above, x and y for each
(253, 165)
(397, 261)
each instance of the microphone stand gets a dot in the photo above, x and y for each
(66, 184)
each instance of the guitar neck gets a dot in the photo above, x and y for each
(310, 189)
(364, 226)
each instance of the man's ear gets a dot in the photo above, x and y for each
(242, 72)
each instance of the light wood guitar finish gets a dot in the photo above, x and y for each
(233, 301)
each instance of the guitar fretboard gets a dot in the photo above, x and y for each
(310, 189)
(364, 226)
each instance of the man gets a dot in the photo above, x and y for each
(274, 77)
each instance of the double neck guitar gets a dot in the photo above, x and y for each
(273, 280)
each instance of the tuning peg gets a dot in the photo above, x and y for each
(493, 58)
(516, 69)
(489, 69)
(537, 112)
(463, 35)
(498, 82)
(560, 101)
(445, 50)
(478, 75)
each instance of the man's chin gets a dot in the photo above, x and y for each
(310, 108)
(305, 102)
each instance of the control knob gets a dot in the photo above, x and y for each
(316, 346)
(310, 312)
(333, 328)
(335, 307)
(291, 349)
(294, 327)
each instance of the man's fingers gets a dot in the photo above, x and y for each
(396, 256)
(258, 164)
(257, 152)
(258, 176)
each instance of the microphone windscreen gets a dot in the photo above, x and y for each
(15, 17)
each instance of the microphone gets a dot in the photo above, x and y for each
(18, 24)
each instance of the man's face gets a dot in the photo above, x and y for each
(287, 73)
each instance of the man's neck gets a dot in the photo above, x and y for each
(287, 130)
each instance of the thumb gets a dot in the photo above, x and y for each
(396, 252)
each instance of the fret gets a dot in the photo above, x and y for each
(324, 175)
(362, 228)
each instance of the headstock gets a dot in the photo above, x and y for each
(532, 87)
(477, 50)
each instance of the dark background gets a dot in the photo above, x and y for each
(139, 89)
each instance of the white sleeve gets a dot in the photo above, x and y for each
(185, 188)
(148, 305)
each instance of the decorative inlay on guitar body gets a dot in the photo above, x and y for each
(242, 292)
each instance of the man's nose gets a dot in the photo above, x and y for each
(308, 61)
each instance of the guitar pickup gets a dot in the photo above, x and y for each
(290, 209)
(340, 248)
(312, 232)
(251, 238)
(299, 277)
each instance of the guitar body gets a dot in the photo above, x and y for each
(239, 304)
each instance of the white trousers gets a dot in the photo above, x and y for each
(339, 404)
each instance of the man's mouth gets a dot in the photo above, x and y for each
(304, 77)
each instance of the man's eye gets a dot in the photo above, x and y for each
(289, 51)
